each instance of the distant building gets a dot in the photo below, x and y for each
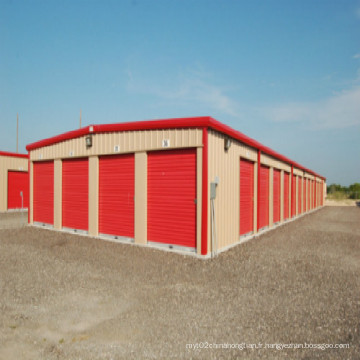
(14, 181)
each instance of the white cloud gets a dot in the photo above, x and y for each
(356, 56)
(194, 89)
(341, 110)
(189, 88)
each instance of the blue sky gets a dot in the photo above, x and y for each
(286, 73)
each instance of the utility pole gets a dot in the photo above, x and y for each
(80, 118)
(17, 132)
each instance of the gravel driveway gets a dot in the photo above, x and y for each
(66, 296)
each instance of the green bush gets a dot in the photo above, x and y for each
(355, 195)
(338, 192)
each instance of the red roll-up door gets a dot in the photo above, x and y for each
(116, 195)
(171, 197)
(264, 197)
(299, 195)
(246, 196)
(293, 196)
(318, 194)
(321, 194)
(43, 187)
(308, 194)
(304, 194)
(18, 190)
(311, 194)
(286, 195)
(276, 196)
(75, 194)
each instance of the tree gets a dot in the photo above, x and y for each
(354, 191)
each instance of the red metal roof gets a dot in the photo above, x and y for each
(177, 123)
(7, 153)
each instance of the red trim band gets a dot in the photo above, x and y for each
(258, 192)
(30, 204)
(292, 190)
(177, 123)
(204, 207)
(6, 153)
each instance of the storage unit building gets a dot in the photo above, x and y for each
(191, 184)
(14, 181)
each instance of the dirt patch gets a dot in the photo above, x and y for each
(64, 296)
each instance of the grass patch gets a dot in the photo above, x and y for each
(337, 195)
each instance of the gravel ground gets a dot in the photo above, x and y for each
(66, 296)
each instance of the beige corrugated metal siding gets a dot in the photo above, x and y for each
(272, 162)
(7, 163)
(120, 142)
(226, 165)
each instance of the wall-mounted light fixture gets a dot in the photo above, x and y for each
(88, 141)
(227, 144)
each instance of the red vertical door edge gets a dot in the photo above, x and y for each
(204, 205)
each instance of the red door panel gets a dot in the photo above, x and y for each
(18, 190)
(276, 196)
(286, 195)
(322, 194)
(299, 194)
(171, 197)
(116, 195)
(75, 194)
(264, 197)
(308, 194)
(318, 194)
(43, 180)
(246, 196)
(304, 195)
(311, 194)
(293, 196)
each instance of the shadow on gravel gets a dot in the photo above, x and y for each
(358, 203)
